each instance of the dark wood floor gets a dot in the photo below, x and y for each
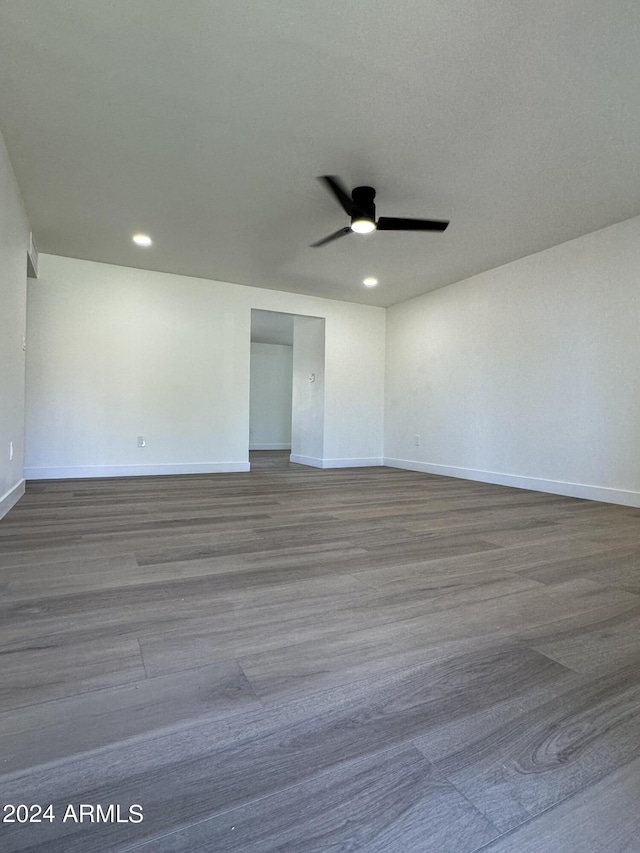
(303, 660)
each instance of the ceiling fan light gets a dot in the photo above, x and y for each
(363, 226)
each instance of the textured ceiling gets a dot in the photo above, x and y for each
(204, 123)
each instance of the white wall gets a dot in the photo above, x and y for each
(270, 397)
(528, 374)
(117, 352)
(14, 239)
(308, 415)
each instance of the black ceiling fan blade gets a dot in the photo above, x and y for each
(341, 194)
(331, 237)
(390, 223)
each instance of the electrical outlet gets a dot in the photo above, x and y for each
(142, 441)
(10, 451)
(416, 440)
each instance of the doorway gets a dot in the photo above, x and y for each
(286, 401)
(270, 399)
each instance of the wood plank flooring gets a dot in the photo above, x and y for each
(363, 660)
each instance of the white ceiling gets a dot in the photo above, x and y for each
(204, 123)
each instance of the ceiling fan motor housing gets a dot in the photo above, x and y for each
(363, 199)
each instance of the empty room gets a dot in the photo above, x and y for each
(319, 426)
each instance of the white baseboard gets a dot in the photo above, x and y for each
(286, 446)
(336, 463)
(306, 460)
(536, 484)
(11, 498)
(81, 471)
(353, 463)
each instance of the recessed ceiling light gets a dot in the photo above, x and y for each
(142, 240)
(370, 281)
(363, 226)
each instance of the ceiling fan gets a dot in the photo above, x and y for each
(360, 207)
